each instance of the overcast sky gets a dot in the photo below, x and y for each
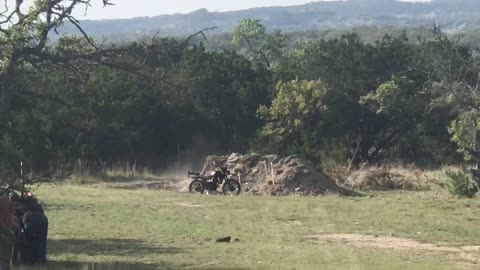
(139, 8)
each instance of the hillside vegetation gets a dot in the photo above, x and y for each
(79, 106)
(453, 15)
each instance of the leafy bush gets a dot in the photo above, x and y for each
(459, 183)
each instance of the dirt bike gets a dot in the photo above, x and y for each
(220, 180)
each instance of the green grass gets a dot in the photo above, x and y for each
(167, 230)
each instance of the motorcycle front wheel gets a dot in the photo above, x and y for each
(196, 186)
(232, 188)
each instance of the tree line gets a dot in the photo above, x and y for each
(334, 100)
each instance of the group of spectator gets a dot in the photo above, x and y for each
(28, 228)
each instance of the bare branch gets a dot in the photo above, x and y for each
(76, 23)
(201, 32)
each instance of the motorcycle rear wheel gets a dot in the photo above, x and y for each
(196, 186)
(232, 188)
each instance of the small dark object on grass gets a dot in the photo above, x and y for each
(224, 240)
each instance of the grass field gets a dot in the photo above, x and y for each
(94, 227)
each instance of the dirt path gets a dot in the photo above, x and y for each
(467, 253)
(165, 184)
(189, 205)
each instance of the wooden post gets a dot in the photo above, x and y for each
(475, 145)
(273, 174)
(178, 162)
(178, 151)
(134, 169)
(82, 161)
(266, 171)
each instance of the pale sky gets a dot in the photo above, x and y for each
(146, 8)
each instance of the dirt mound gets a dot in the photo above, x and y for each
(275, 175)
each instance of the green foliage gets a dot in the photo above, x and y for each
(291, 118)
(10, 158)
(400, 96)
(294, 106)
(463, 131)
(103, 115)
(262, 46)
(378, 105)
(248, 29)
(460, 184)
(336, 100)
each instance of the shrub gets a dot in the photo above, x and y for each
(460, 184)
(387, 177)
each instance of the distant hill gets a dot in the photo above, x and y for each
(453, 15)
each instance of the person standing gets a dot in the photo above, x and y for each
(34, 230)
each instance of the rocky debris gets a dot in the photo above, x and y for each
(224, 239)
(275, 175)
(227, 239)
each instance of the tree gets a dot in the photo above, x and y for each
(24, 37)
(23, 44)
(378, 98)
(104, 115)
(295, 117)
(351, 69)
(10, 159)
(403, 103)
(262, 46)
(455, 74)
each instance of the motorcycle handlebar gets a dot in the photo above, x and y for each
(190, 173)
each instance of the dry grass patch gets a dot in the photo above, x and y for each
(468, 253)
(383, 178)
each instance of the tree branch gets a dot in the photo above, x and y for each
(262, 55)
(201, 32)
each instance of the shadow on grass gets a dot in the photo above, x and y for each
(107, 247)
(112, 247)
(54, 265)
(217, 268)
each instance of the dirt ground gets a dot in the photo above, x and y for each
(468, 253)
(163, 184)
